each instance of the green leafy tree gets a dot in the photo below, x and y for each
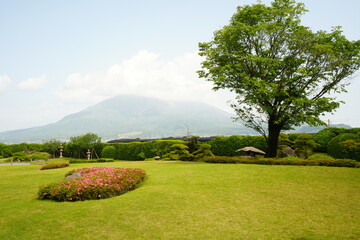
(281, 71)
(52, 146)
(81, 144)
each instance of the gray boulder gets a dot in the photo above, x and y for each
(73, 176)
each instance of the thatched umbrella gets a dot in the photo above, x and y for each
(251, 151)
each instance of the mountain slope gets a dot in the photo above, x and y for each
(134, 116)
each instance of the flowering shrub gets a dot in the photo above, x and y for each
(94, 183)
(54, 165)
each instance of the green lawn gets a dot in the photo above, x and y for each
(182, 200)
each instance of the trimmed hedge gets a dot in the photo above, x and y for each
(281, 161)
(54, 165)
(94, 183)
(138, 151)
(91, 160)
(226, 146)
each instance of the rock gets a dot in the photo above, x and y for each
(73, 176)
(157, 158)
(288, 151)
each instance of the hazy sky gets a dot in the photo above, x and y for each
(59, 57)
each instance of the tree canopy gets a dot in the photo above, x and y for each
(83, 143)
(282, 72)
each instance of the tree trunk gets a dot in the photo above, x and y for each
(273, 140)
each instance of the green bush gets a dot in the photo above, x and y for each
(203, 151)
(105, 160)
(352, 148)
(94, 184)
(283, 161)
(20, 156)
(91, 160)
(179, 152)
(54, 165)
(320, 156)
(337, 150)
(304, 145)
(108, 152)
(322, 138)
(39, 156)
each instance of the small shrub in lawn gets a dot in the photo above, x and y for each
(20, 156)
(91, 160)
(94, 183)
(38, 157)
(105, 160)
(54, 165)
(320, 156)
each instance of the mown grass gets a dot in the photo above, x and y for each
(181, 200)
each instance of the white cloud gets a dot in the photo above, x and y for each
(145, 74)
(33, 83)
(5, 82)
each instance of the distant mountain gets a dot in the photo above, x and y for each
(310, 129)
(135, 117)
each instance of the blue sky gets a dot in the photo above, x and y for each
(59, 57)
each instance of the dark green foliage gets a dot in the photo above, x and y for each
(322, 138)
(108, 152)
(9, 150)
(193, 144)
(2, 147)
(226, 146)
(282, 161)
(179, 152)
(293, 136)
(352, 148)
(337, 150)
(304, 145)
(203, 151)
(79, 145)
(54, 165)
(52, 146)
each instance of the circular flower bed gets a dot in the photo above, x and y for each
(94, 183)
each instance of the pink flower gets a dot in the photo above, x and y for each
(99, 196)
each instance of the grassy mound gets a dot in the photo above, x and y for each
(94, 183)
